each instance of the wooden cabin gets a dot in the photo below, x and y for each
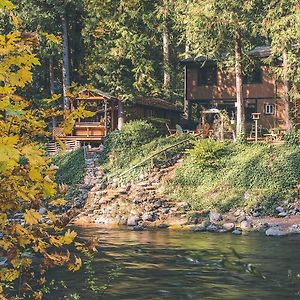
(94, 129)
(149, 108)
(207, 86)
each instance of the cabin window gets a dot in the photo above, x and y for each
(269, 109)
(207, 75)
(254, 77)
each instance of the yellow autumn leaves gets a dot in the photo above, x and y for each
(26, 178)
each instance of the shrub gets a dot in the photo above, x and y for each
(71, 167)
(133, 135)
(207, 151)
(246, 176)
(292, 138)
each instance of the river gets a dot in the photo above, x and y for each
(183, 265)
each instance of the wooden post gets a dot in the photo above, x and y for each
(105, 117)
(256, 130)
(120, 114)
(222, 129)
(112, 127)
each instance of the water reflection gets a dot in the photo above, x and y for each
(182, 265)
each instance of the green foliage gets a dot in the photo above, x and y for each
(132, 135)
(292, 138)
(133, 144)
(71, 167)
(247, 176)
(207, 152)
(160, 124)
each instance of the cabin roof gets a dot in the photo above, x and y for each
(156, 102)
(258, 52)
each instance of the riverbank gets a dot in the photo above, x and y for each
(145, 205)
(144, 180)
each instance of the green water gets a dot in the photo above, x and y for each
(182, 265)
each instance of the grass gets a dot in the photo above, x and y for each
(244, 176)
(118, 162)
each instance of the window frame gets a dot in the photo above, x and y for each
(269, 109)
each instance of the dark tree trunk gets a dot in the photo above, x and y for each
(286, 83)
(166, 50)
(240, 107)
(51, 84)
(187, 111)
(66, 63)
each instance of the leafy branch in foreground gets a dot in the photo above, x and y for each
(30, 243)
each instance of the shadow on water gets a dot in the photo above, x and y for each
(183, 265)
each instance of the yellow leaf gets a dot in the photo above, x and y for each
(55, 241)
(38, 295)
(76, 266)
(69, 237)
(32, 217)
(3, 219)
(51, 216)
(6, 4)
(58, 202)
(34, 174)
(52, 38)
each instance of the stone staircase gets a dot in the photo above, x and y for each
(139, 203)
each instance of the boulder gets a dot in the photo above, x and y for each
(199, 228)
(148, 217)
(138, 228)
(214, 217)
(282, 214)
(165, 210)
(295, 229)
(279, 209)
(42, 210)
(228, 226)
(212, 228)
(245, 225)
(123, 220)
(133, 221)
(236, 232)
(157, 204)
(184, 205)
(163, 226)
(276, 231)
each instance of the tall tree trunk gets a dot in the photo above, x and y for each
(240, 117)
(286, 92)
(187, 45)
(166, 50)
(186, 103)
(51, 84)
(66, 63)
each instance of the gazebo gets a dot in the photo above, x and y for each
(95, 128)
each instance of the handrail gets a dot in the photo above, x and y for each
(152, 156)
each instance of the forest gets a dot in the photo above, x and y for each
(149, 201)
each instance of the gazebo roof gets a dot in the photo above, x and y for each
(94, 94)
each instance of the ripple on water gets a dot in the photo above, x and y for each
(182, 265)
